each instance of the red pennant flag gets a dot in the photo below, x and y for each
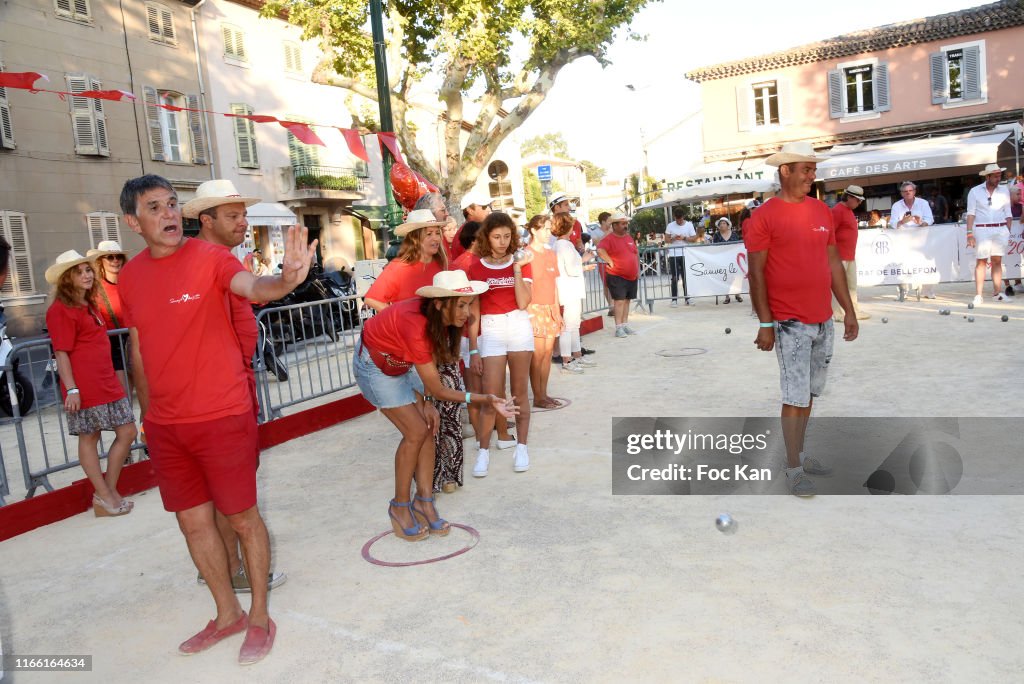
(355, 143)
(115, 95)
(23, 80)
(391, 142)
(303, 132)
(258, 118)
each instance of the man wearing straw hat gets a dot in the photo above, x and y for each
(989, 217)
(190, 380)
(794, 265)
(222, 221)
(845, 222)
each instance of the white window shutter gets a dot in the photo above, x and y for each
(785, 101)
(153, 22)
(6, 125)
(20, 279)
(835, 94)
(744, 120)
(245, 138)
(240, 45)
(940, 79)
(102, 146)
(64, 8)
(95, 223)
(972, 73)
(198, 134)
(82, 9)
(229, 40)
(883, 103)
(150, 99)
(167, 26)
(83, 120)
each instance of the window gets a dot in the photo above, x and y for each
(74, 9)
(292, 57)
(6, 127)
(88, 123)
(958, 75)
(300, 153)
(176, 131)
(160, 20)
(234, 44)
(760, 104)
(19, 278)
(103, 225)
(245, 138)
(858, 90)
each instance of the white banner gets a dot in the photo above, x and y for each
(716, 270)
(916, 255)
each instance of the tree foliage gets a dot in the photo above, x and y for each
(549, 143)
(595, 174)
(496, 54)
(535, 203)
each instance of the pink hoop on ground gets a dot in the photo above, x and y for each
(474, 539)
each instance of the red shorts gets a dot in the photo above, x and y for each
(214, 460)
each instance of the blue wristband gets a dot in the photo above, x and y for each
(474, 351)
(767, 325)
(468, 398)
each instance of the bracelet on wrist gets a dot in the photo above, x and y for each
(469, 398)
(474, 351)
(767, 325)
(72, 390)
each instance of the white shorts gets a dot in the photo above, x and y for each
(991, 241)
(504, 333)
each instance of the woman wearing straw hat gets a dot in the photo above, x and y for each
(396, 368)
(93, 398)
(420, 257)
(108, 258)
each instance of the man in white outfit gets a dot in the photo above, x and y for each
(989, 217)
(678, 232)
(911, 212)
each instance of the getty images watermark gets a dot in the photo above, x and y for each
(868, 455)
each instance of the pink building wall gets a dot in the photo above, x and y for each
(910, 93)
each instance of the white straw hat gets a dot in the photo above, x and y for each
(214, 193)
(792, 152)
(991, 168)
(65, 261)
(452, 284)
(418, 218)
(106, 248)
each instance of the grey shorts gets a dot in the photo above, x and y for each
(804, 351)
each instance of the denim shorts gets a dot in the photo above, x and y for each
(804, 351)
(384, 391)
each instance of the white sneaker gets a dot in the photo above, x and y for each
(812, 466)
(674, 304)
(483, 460)
(585, 362)
(629, 331)
(1000, 297)
(507, 443)
(977, 300)
(521, 462)
(799, 484)
(621, 332)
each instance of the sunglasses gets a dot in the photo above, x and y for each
(114, 257)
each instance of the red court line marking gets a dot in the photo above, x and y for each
(475, 538)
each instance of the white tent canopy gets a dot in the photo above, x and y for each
(270, 214)
(948, 151)
(706, 191)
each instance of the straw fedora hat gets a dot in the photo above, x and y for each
(618, 216)
(106, 248)
(418, 218)
(991, 168)
(855, 191)
(452, 284)
(214, 193)
(65, 261)
(793, 152)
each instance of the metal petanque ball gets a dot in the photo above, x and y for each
(970, 319)
(970, 305)
(1004, 318)
(885, 320)
(725, 524)
(728, 330)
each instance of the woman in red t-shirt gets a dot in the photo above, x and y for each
(500, 329)
(419, 258)
(93, 398)
(396, 368)
(108, 258)
(545, 315)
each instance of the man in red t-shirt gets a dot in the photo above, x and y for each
(794, 265)
(618, 250)
(192, 390)
(475, 207)
(845, 222)
(222, 222)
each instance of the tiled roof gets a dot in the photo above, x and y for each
(991, 17)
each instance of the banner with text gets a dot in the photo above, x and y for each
(716, 269)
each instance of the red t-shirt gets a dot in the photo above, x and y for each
(457, 249)
(500, 297)
(576, 234)
(190, 350)
(463, 262)
(115, 305)
(399, 280)
(624, 255)
(545, 263)
(797, 273)
(81, 333)
(400, 331)
(845, 222)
